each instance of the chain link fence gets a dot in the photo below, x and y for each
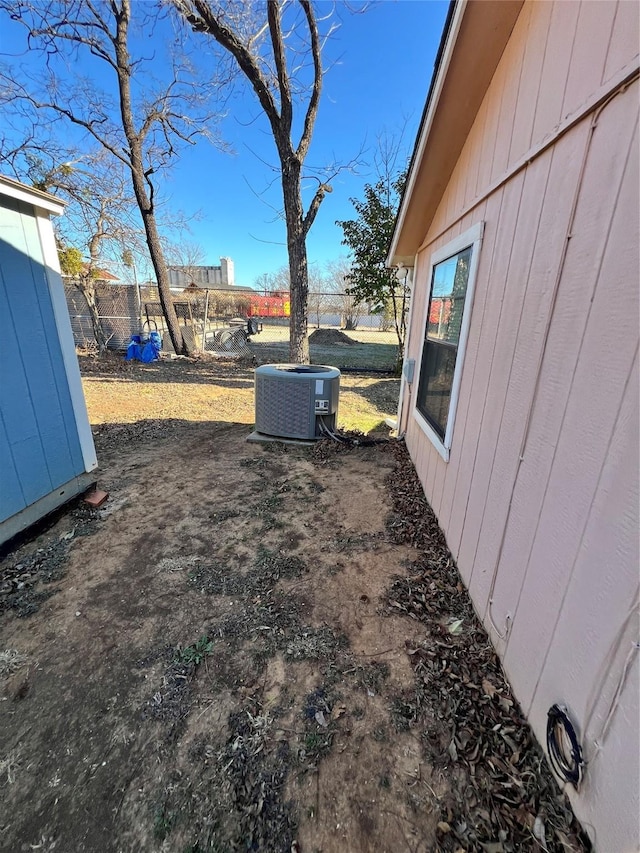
(117, 309)
(244, 323)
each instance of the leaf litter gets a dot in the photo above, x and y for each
(502, 796)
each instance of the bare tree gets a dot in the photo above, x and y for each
(186, 256)
(319, 299)
(274, 282)
(99, 210)
(141, 132)
(266, 51)
(346, 303)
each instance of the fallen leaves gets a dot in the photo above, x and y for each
(462, 704)
(488, 689)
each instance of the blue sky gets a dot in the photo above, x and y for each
(379, 69)
(384, 61)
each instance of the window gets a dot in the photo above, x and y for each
(446, 326)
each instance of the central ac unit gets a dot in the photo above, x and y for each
(296, 400)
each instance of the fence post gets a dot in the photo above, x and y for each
(204, 321)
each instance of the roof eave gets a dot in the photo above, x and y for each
(476, 34)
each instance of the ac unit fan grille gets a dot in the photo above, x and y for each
(282, 408)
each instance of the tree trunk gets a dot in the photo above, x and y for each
(88, 290)
(298, 267)
(162, 277)
(141, 180)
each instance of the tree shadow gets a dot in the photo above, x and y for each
(114, 368)
(382, 394)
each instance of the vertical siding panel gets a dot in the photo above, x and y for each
(529, 490)
(433, 471)
(589, 417)
(48, 382)
(439, 222)
(492, 127)
(16, 392)
(490, 213)
(514, 372)
(450, 196)
(539, 21)
(604, 584)
(478, 139)
(512, 59)
(461, 177)
(60, 433)
(486, 513)
(465, 444)
(472, 491)
(416, 450)
(412, 447)
(429, 453)
(17, 405)
(555, 71)
(473, 163)
(12, 498)
(624, 44)
(438, 482)
(593, 34)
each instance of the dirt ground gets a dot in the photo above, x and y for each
(253, 648)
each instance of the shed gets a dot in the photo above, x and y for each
(46, 446)
(519, 399)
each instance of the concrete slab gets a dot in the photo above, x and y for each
(261, 438)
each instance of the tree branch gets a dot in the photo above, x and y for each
(314, 100)
(89, 126)
(275, 31)
(200, 16)
(316, 201)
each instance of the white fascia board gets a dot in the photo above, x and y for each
(454, 29)
(20, 192)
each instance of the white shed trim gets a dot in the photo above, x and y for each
(30, 195)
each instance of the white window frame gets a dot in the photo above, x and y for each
(471, 238)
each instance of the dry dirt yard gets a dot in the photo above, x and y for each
(253, 648)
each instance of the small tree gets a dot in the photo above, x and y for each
(368, 237)
(318, 296)
(98, 213)
(274, 282)
(81, 274)
(346, 303)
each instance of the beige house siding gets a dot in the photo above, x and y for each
(551, 375)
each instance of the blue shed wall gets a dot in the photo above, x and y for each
(39, 444)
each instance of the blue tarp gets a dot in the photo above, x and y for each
(147, 351)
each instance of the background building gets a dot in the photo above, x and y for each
(203, 276)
